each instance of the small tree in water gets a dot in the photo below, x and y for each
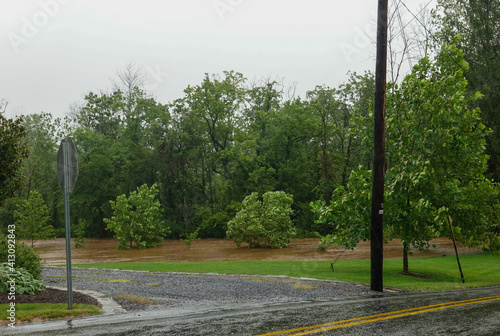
(265, 223)
(137, 219)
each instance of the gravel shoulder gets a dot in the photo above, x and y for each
(140, 290)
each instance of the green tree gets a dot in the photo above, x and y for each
(325, 106)
(116, 136)
(32, 219)
(98, 180)
(348, 213)
(40, 166)
(101, 113)
(13, 150)
(78, 232)
(478, 22)
(207, 119)
(437, 153)
(288, 158)
(137, 219)
(265, 223)
(436, 161)
(343, 119)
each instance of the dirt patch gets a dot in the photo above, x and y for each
(417, 275)
(53, 252)
(130, 302)
(50, 295)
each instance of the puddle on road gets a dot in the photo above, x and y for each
(53, 252)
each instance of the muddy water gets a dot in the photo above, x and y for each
(53, 252)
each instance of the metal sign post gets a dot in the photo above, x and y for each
(67, 173)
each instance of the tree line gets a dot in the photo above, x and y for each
(206, 151)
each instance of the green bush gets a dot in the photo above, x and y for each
(137, 219)
(26, 257)
(265, 223)
(492, 242)
(24, 282)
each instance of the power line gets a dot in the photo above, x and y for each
(403, 34)
(430, 33)
(421, 10)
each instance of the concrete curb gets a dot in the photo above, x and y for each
(109, 306)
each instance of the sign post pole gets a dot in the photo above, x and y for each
(67, 173)
(67, 224)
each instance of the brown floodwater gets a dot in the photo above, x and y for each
(53, 252)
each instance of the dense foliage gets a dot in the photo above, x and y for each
(25, 257)
(24, 283)
(263, 223)
(206, 151)
(137, 219)
(435, 165)
(478, 23)
(12, 152)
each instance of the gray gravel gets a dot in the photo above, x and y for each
(139, 290)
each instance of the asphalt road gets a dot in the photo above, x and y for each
(460, 312)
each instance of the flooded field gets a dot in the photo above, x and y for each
(53, 252)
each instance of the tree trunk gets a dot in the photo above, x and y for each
(405, 259)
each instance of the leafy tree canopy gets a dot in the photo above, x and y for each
(435, 161)
(12, 152)
(137, 218)
(263, 223)
(32, 219)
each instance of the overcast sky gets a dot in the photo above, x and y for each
(54, 52)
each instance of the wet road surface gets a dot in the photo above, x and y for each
(460, 312)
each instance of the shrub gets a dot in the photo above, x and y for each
(137, 219)
(26, 257)
(265, 223)
(78, 231)
(24, 281)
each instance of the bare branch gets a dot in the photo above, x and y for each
(3, 105)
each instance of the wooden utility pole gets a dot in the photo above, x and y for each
(377, 210)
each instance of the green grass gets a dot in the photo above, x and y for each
(27, 312)
(480, 270)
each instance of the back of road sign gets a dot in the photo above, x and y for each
(72, 163)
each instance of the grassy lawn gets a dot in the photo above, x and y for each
(479, 270)
(28, 312)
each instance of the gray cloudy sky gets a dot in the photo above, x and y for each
(53, 52)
